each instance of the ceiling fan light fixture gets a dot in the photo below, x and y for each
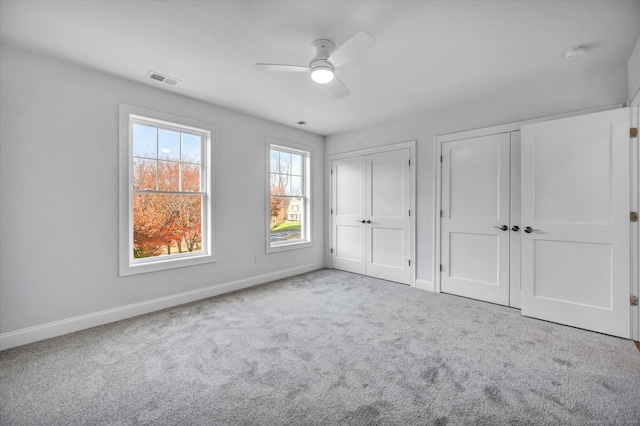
(322, 74)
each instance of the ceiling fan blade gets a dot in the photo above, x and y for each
(337, 87)
(280, 67)
(351, 48)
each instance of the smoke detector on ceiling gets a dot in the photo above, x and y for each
(575, 51)
(163, 78)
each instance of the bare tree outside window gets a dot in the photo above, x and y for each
(287, 196)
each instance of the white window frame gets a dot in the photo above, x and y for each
(128, 265)
(306, 152)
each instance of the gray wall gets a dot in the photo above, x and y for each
(59, 193)
(605, 86)
(633, 68)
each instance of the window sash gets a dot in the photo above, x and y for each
(159, 125)
(300, 193)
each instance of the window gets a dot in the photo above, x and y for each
(288, 208)
(165, 191)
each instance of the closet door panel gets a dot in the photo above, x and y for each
(348, 183)
(575, 198)
(388, 238)
(475, 218)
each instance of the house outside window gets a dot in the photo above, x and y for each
(165, 191)
(288, 189)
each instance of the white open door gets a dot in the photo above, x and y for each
(575, 203)
(348, 198)
(475, 223)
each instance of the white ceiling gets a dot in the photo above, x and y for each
(428, 53)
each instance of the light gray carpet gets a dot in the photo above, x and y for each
(324, 348)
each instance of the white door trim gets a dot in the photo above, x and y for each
(635, 227)
(411, 145)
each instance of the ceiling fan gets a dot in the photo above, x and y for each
(326, 59)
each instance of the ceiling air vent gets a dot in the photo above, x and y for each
(163, 78)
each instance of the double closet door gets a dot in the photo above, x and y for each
(370, 215)
(544, 220)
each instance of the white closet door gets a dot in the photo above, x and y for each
(348, 231)
(371, 226)
(388, 223)
(475, 218)
(575, 197)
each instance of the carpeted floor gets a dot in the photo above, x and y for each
(325, 348)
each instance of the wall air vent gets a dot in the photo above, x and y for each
(163, 78)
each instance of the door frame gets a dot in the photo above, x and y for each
(411, 145)
(486, 131)
(634, 105)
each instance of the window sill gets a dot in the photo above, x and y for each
(289, 246)
(164, 264)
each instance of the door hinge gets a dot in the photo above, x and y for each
(409, 212)
(633, 216)
(409, 162)
(441, 158)
(409, 260)
(332, 171)
(331, 251)
(331, 211)
(441, 268)
(634, 300)
(441, 213)
(633, 132)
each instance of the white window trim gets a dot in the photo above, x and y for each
(307, 201)
(127, 265)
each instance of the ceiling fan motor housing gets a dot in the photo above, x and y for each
(322, 49)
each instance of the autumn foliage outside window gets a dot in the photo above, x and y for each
(167, 194)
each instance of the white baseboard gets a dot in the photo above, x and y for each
(82, 322)
(425, 285)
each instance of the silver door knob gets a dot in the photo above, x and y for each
(502, 228)
(529, 229)
(368, 221)
(361, 221)
(515, 228)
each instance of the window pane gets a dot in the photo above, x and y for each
(286, 219)
(296, 164)
(166, 224)
(190, 177)
(144, 141)
(191, 148)
(295, 186)
(279, 184)
(274, 160)
(169, 145)
(144, 174)
(285, 162)
(168, 176)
